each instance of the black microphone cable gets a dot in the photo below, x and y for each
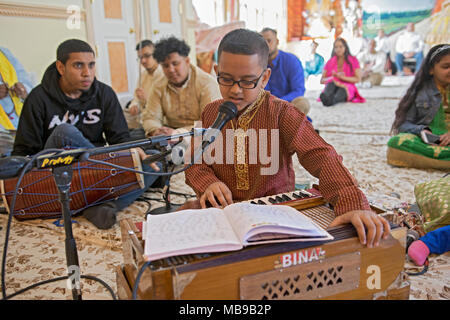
(7, 233)
(138, 278)
(194, 159)
(13, 202)
(162, 174)
(47, 151)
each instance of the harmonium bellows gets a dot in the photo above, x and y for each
(337, 269)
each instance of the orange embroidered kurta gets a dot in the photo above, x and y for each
(295, 136)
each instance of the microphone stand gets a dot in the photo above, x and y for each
(63, 179)
(82, 154)
(61, 165)
(169, 207)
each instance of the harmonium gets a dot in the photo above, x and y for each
(338, 269)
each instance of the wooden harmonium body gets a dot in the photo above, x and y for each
(337, 269)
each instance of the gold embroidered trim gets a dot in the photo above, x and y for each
(240, 143)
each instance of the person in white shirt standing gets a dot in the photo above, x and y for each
(409, 45)
(372, 63)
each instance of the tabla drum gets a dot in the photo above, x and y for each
(92, 183)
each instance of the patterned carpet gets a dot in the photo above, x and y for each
(36, 252)
(359, 133)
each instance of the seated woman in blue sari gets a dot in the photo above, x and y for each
(314, 66)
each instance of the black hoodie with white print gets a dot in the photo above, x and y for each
(95, 113)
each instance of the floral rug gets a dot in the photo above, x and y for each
(359, 132)
(36, 252)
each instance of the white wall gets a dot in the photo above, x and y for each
(34, 40)
(63, 3)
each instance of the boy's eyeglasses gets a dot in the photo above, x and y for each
(243, 84)
(145, 56)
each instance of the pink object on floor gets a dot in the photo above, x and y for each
(418, 252)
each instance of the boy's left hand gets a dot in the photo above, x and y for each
(375, 225)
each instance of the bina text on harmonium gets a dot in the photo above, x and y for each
(337, 269)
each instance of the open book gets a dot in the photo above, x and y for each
(228, 229)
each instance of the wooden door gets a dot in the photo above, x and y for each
(164, 17)
(115, 41)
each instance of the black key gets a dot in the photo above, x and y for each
(296, 195)
(286, 198)
(279, 199)
(272, 200)
(253, 202)
(261, 202)
(305, 195)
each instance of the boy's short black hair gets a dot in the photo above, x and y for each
(246, 42)
(144, 43)
(70, 46)
(167, 46)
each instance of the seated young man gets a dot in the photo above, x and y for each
(72, 109)
(177, 100)
(287, 81)
(151, 74)
(242, 75)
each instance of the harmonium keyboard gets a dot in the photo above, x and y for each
(338, 269)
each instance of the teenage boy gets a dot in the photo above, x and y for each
(151, 74)
(177, 101)
(242, 76)
(72, 109)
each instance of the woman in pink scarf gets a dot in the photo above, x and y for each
(340, 75)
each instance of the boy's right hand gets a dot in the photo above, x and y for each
(219, 191)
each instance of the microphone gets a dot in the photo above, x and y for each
(227, 111)
(11, 167)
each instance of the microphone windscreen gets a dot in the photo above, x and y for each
(229, 108)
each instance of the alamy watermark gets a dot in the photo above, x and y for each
(73, 22)
(374, 280)
(373, 22)
(73, 281)
(253, 146)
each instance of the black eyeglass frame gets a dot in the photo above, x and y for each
(146, 56)
(254, 82)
